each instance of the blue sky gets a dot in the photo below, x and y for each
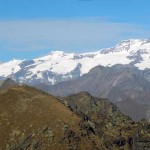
(32, 28)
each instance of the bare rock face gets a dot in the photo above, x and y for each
(104, 119)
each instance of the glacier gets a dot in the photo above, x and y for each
(59, 66)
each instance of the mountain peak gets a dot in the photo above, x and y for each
(7, 84)
(133, 41)
(57, 52)
(132, 45)
(128, 46)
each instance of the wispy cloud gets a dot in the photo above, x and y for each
(27, 35)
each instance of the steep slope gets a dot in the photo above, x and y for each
(109, 123)
(118, 83)
(97, 109)
(32, 119)
(59, 66)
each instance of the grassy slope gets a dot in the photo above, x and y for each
(29, 113)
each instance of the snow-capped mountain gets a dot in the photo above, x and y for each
(60, 66)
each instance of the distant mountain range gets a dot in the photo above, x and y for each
(59, 66)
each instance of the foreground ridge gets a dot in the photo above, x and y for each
(32, 119)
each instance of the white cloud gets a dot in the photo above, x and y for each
(26, 35)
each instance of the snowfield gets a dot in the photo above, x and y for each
(60, 66)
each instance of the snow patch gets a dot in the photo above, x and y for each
(10, 67)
